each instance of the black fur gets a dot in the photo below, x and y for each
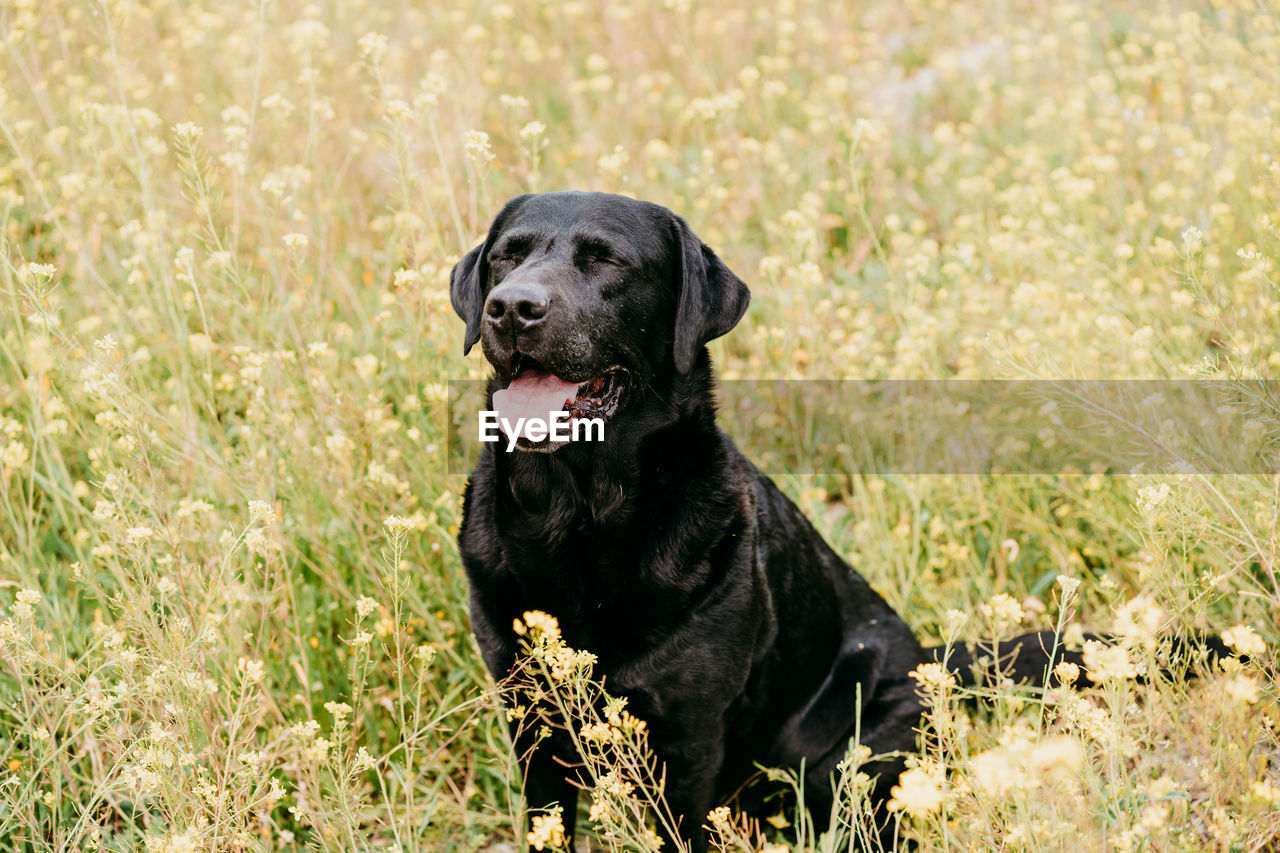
(711, 603)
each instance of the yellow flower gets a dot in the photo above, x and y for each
(187, 132)
(477, 147)
(1161, 788)
(1266, 790)
(1058, 752)
(996, 772)
(1192, 238)
(339, 710)
(1244, 640)
(14, 455)
(1138, 620)
(541, 623)
(139, 534)
(919, 790)
(1066, 672)
(1103, 662)
(252, 669)
(261, 512)
(933, 677)
(405, 277)
(373, 47)
(1089, 719)
(1003, 611)
(1243, 688)
(396, 524)
(547, 831)
(1152, 498)
(1153, 816)
(609, 797)
(1023, 760)
(600, 733)
(181, 843)
(565, 661)
(626, 722)
(720, 818)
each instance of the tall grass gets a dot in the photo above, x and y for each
(234, 615)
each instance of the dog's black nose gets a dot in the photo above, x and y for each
(517, 305)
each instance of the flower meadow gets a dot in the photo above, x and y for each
(233, 612)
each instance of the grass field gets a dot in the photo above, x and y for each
(234, 616)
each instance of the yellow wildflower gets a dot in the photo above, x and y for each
(1243, 688)
(1244, 640)
(933, 677)
(1107, 662)
(1067, 672)
(919, 790)
(547, 831)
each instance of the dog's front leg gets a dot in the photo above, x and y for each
(692, 767)
(547, 783)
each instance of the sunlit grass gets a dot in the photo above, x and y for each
(235, 617)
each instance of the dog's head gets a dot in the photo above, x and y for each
(579, 300)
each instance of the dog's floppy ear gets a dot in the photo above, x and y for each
(712, 298)
(469, 275)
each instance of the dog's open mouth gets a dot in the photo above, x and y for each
(535, 395)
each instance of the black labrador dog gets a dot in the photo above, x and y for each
(711, 603)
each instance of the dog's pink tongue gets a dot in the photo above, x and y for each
(532, 394)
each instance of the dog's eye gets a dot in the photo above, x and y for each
(505, 259)
(607, 260)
